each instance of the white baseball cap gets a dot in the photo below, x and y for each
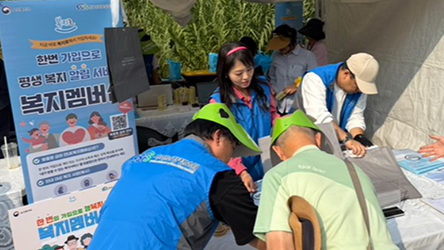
(365, 68)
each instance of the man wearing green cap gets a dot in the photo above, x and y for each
(173, 196)
(324, 181)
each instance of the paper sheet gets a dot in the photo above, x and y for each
(415, 162)
(437, 204)
(264, 145)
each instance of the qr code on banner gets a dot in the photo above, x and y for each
(119, 122)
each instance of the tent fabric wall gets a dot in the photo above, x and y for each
(407, 39)
(180, 9)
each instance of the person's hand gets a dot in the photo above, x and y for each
(435, 150)
(363, 140)
(248, 182)
(356, 147)
(290, 90)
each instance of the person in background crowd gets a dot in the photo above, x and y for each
(315, 36)
(338, 93)
(250, 44)
(435, 150)
(151, 64)
(253, 48)
(173, 196)
(5, 107)
(251, 101)
(261, 60)
(322, 180)
(290, 62)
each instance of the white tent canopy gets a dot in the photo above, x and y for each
(406, 37)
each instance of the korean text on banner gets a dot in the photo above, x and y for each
(290, 13)
(70, 135)
(68, 220)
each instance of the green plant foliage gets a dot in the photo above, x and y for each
(309, 9)
(215, 22)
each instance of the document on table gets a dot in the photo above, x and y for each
(264, 145)
(415, 162)
(437, 204)
(437, 176)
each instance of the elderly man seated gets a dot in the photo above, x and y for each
(324, 181)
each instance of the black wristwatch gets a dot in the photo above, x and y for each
(348, 137)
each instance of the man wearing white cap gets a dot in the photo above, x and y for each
(337, 93)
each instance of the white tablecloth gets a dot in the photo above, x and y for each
(421, 228)
(168, 122)
(12, 188)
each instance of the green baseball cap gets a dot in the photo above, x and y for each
(298, 118)
(221, 114)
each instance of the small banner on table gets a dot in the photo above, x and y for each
(66, 222)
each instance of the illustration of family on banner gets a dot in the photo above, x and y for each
(71, 136)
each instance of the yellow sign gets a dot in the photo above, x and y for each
(289, 18)
(68, 42)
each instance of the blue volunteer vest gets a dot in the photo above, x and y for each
(256, 121)
(162, 200)
(328, 76)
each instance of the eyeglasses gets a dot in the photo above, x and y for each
(72, 243)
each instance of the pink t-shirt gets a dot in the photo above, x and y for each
(320, 51)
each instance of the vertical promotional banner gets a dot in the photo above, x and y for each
(290, 14)
(66, 222)
(70, 135)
